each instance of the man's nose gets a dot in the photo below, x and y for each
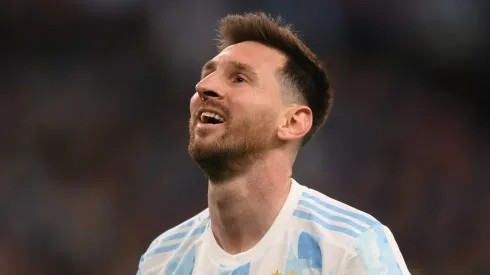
(209, 87)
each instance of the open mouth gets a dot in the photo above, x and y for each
(211, 118)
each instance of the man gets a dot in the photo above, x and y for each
(258, 101)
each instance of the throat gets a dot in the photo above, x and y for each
(243, 212)
(238, 234)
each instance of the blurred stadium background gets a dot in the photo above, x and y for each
(93, 125)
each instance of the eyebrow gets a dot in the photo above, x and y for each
(239, 66)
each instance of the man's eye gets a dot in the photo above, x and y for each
(239, 79)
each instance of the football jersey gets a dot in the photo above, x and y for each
(312, 234)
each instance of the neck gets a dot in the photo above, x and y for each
(244, 207)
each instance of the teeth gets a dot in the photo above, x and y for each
(213, 115)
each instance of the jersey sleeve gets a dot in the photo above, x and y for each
(374, 252)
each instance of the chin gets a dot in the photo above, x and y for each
(213, 160)
(200, 148)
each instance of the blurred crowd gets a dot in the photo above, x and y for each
(94, 125)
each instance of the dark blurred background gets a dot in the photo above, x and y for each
(93, 125)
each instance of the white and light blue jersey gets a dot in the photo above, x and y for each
(312, 234)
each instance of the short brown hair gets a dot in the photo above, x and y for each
(303, 69)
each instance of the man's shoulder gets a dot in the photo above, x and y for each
(347, 231)
(185, 234)
(333, 221)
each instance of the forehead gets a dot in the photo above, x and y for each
(256, 55)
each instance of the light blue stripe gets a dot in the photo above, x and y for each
(199, 230)
(177, 236)
(161, 250)
(174, 237)
(164, 249)
(358, 216)
(181, 264)
(387, 256)
(170, 235)
(187, 224)
(311, 217)
(192, 222)
(332, 217)
(376, 253)
(181, 235)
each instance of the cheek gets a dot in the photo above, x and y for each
(256, 118)
(253, 107)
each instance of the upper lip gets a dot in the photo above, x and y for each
(210, 110)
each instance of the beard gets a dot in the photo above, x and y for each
(232, 151)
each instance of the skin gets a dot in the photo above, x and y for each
(248, 159)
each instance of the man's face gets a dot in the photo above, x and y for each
(237, 103)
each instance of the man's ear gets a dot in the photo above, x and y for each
(296, 123)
